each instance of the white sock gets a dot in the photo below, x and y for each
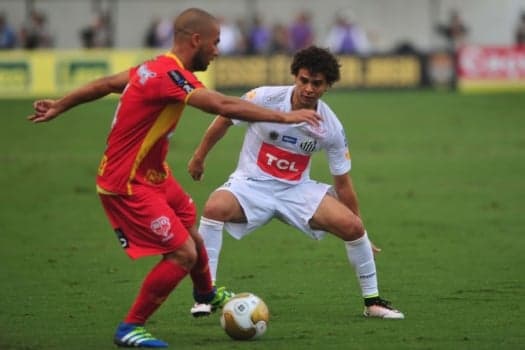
(211, 232)
(361, 257)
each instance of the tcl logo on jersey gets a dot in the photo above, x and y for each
(281, 163)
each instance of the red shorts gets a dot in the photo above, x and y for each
(153, 220)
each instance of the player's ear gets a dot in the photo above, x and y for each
(195, 39)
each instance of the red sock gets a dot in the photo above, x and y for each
(200, 274)
(159, 283)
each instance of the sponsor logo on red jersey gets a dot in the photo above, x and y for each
(179, 80)
(281, 163)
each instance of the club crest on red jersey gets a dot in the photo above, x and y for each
(162, 226)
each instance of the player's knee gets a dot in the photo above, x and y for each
(199, 242)
(188, 258)
(355, 228)
(185, 256)
(215, 210)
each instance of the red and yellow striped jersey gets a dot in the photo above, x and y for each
(148, 112)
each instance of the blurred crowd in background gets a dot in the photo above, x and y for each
(239, 36)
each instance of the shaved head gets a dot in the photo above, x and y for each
(193, 20)
(195, 40)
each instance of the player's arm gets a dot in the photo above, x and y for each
(213, 134)
(46, 110)
(345, 192)
(233, 107)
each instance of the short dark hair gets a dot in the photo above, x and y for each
(317, 60)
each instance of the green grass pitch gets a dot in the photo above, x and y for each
(441, 183)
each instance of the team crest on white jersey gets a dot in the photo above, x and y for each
(308, 145)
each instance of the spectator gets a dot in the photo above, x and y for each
(405, 47)
(230, 43)
(259, 37)
(520, 31)
(244, 31)
(150, 37)
(99, 33)
(7, 34)
(301, 32)
(159, 34)
(345, 36)
(279, 41)
(35, 33)
(455, 31)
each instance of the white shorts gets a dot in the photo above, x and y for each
(264, 200)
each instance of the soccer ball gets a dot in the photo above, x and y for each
(245, 316)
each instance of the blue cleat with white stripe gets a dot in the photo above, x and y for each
(131, 335)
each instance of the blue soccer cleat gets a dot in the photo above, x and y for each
(131, 335)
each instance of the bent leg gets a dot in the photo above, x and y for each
(161, 281)
(200, 273)
(221, 206)
(147, 225)
(334, 217)
(183, 205)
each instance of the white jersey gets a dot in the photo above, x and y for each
(276, 151)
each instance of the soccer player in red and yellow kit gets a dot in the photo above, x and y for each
(147, 208)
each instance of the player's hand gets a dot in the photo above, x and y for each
(45, 110)
(196, 168)
(304, 115)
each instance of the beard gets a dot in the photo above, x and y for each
(199, 62)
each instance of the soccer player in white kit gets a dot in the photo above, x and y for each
(272, 178)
